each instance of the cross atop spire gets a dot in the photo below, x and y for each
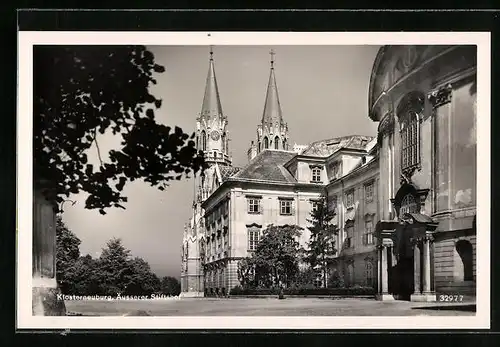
(272, 58)
(211, 52)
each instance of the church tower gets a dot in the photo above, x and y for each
(212, 137)
(211, 125)
(272, 133)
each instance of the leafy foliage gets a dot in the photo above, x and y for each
(67, 254)
(83, 91)
(115, 271)
(170, 286)
(305, 291)
(276, 258)
(321, 244)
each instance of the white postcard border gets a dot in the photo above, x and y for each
(27, 39)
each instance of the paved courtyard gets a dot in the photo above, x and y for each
(267, 307)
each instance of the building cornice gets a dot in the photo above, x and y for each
(357, 171)
(374, 103)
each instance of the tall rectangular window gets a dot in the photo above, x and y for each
(254, 205)
(410, 142)
(368, 236)
(349, 237)
(369, 192)
(253, 238)
(349, 198)
(285, 207)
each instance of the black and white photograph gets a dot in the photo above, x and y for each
(253, 180)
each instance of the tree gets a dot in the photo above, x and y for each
(321, 245)
(68, 252)
(115, 268)
(245, 272)
(87, 277)
(170, 286)
(83, 91)
(276, 258)
(143, 281)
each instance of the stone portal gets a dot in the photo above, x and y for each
(405, 263)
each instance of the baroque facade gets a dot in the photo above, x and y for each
(424, 98)
(404, 199)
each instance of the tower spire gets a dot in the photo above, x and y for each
(272, 108)
(211, 107)
(272, 132)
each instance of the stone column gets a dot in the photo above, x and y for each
(427, 267)
(383, 274)
(425, 262)
(379, 270)
(416, 266)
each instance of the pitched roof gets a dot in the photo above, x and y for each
(268, 166)
(228, 171)
(325, 148)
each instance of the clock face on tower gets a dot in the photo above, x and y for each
(215, 135)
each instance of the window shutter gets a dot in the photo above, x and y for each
(260, 206)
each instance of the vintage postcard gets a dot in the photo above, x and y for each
(187, 180)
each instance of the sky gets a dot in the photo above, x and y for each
(323, 93)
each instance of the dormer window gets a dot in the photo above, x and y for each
(335, 170)
(316, 174)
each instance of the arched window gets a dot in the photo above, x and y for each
(276, 142)
(464, 250)
(284, 144)
(408, 205)
(203, 141)
(223, 143)
(197, 142)
(266, 143)
(409, 112)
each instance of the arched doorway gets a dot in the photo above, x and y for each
(464, 250)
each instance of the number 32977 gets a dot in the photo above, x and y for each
(450, 298)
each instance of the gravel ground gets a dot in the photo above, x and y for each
(266, 307)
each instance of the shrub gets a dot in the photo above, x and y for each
(336, 280)
(305, 291)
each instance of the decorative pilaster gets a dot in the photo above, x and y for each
(386, 126)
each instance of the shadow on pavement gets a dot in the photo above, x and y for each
(467, 308)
